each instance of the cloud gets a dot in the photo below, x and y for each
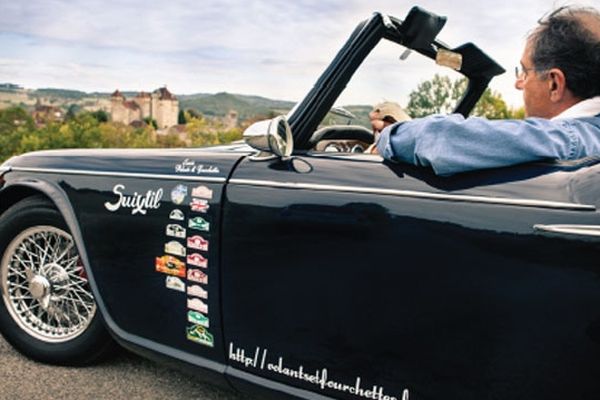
(272, 48)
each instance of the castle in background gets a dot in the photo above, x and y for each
(159, 105)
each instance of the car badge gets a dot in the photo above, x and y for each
(202, 191)
(198, 305)
(170, 265)
(176, 230)
(196, 290)
(178, 194)
(199, 224)
(199, 334)
(197, 260)
(196, 318)
(177, 215)
(195, 275)
(197, 242)
(175, 248)
(199, 205)
(175, 283)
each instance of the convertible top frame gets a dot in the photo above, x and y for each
(478, 67)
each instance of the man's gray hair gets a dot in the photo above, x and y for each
(569, 39)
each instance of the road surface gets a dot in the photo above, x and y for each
(125, 376)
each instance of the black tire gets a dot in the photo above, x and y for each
(47, 311)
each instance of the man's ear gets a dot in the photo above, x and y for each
(557, 84)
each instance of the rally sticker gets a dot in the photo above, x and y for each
(195, 275)
(177, 215)
(172, 282)
(198, 305)
(199, 205)
(178, 194)
(175, 248)
(197, 242)
(202, 191)
(196, 290)
(197, 318)
(170, 265)
(199, 334)
(176, 230)
(199, 224)
(197, 260)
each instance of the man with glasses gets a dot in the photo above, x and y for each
(560, 79)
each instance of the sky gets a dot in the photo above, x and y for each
(270, 48)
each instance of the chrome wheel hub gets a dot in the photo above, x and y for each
(44, 286)
(39, 287)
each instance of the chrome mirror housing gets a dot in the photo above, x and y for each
(272, 138)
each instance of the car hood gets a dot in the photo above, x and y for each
(214, 162)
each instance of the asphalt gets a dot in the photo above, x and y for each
(123, 376)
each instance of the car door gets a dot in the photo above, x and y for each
(352, 278)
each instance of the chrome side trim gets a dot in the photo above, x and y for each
(579, 230)
(119, 174)
(419, 195)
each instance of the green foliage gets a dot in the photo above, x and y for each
(151, 122)
(440, 95)
(181, 117)
(14, 123)
(19, 134)
(100, 115)
(204, 132)
(72, 111)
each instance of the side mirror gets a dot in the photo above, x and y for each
(272, 138)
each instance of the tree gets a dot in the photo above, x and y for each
(15, 123)
(100, 115)
(151, 122)
(181, 120)
(440, 95)
(72, 111)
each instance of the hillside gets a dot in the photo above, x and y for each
(217, 105)
(210, 105)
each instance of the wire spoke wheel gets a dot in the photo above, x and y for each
(44, 286)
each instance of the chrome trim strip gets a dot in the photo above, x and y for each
(419, 195)
(5, 169)
(579, 230)
(119, 174)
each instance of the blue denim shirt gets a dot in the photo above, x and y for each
(450, 144)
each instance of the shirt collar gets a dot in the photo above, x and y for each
(585, 108)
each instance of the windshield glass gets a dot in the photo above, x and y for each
(381, 80)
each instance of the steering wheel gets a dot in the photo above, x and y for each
(343, 137)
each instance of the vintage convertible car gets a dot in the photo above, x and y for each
(317, 274)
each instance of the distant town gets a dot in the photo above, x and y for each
(159, 107)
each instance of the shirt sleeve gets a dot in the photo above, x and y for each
(452, 144)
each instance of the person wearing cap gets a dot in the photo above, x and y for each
(559, 76)
(383, 115)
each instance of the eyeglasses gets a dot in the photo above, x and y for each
(521, 72)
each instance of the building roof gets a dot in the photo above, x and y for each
(132, 105)
(117, 94)
(143, 95)
(164, 94)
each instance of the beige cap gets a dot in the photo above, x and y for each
(390, 109)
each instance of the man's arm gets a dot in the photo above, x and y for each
(452, 144)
